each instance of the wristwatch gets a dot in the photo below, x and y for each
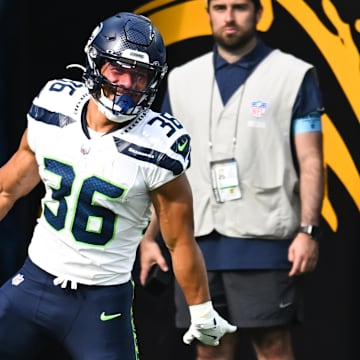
(312, 230)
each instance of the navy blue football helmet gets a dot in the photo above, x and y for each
(131, 41)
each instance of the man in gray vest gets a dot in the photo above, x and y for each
(254, 117)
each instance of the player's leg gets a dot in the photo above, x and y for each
(20, 336)
(104, 327)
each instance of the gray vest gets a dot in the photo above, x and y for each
(259, 114)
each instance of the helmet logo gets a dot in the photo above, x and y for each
(93, 36)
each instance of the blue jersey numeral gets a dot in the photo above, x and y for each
(92, 223)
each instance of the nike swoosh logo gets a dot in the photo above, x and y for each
(104, 317)
(182, 146)
(284, 305)
(210, 336)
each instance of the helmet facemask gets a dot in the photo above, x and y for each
(129, 42)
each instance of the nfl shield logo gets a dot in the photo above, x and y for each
(258, 108)
(17, 279)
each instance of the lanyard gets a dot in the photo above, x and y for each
(234, 139)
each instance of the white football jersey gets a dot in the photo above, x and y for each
(96, 202)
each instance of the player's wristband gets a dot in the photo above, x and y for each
(201, 313)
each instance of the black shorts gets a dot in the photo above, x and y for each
(250, 298)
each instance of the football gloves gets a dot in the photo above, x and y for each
(208, 331)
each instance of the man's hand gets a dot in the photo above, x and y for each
(150, 252)
(303, 254)
(209, 333)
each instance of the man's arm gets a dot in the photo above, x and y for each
(18, 176)
(310, 158)
(304, 252)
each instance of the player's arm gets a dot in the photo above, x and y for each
(18, 176)
(174, 209)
